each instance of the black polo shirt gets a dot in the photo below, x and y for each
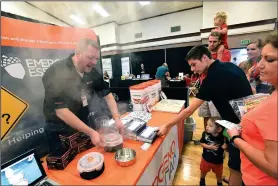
(63, 86)
(224, 82)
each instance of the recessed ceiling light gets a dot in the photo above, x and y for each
(143, 3)
(77, 19)
(101, 11)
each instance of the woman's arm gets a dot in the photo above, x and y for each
(264, 160)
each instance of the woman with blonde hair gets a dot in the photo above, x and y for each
(258, 141)
(254, 49)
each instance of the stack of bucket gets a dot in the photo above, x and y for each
(145, 94)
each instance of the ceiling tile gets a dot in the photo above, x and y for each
(120, 11)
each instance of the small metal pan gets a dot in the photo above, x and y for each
(125, 157)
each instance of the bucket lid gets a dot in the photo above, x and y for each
(145, 84)
(90, 162)
(149, 83)
(137, 87)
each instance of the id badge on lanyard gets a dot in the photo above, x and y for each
(84, 98)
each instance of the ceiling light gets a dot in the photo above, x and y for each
(143, 3)
(101, 11)
(77, 19)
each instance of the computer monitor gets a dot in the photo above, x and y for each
(25, 169)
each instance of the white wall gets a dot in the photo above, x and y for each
(107, 33)
(157, 27)
(246, 30)
(117, 29)
(163, 42)
(189, 20)
(22, 8)
(239, 11)
(192, 21)
(240, 54)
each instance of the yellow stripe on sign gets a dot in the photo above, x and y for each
(12, 109)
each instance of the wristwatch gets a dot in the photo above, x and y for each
(234, 137)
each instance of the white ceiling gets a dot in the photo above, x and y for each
(120, 11)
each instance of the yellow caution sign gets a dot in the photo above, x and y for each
(12, 109)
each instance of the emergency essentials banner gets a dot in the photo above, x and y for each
(27, 51)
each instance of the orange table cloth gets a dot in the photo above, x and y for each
(114, 174)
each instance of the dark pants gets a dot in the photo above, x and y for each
(163, 82)
(234, 158)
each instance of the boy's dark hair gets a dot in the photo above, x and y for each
(213, 119)
(197, 52)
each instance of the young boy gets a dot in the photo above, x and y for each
(213, 144)
(220, 22)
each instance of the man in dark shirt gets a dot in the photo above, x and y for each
(224, 82)
(68, 84)
(207, 109)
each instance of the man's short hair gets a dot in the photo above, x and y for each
(197, 52)
(82, 44)
(216, 34)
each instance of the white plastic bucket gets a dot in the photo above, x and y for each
(147, 90)
(152, 92)
(137, 94)
(157, 89)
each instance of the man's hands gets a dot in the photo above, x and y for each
(163, 130)
(120, 126)
(96, 139)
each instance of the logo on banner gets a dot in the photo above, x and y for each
(13, 66)
(38, 67)
(35, 67)
(166, 170)
(12, 109)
